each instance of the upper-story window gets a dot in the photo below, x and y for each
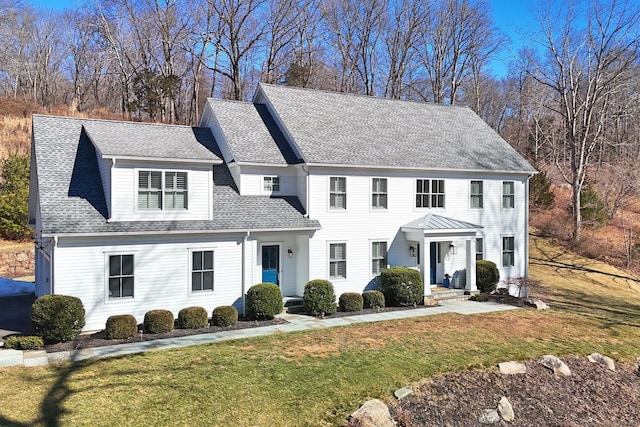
(338, 192)
(162, 190)
(430, 193)
(477, 201)
(379, 193)
(271, 184)
(508, 195)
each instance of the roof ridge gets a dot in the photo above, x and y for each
(364, 96)
(52, 116)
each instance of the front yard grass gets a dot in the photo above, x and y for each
(317, 378)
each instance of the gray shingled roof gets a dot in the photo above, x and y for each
(251, 134)
(72, 198)
(432, 222)
(356, 130)
(148, 140)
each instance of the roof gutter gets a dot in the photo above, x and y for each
(484, 171)
(149, 233)
(164, 159)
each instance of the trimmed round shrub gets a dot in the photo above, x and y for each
(158, 321)
(402, 286)
(264, 301)
(193, 318)
(121, 326)
(24, 342)
(487, 276)
(58, 317)
(319, 298)
(225, 315)
(350, 301)
(373, 299)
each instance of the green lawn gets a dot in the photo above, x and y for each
(317, 378)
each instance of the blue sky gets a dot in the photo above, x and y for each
(513, 17)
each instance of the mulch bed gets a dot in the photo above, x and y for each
(99, 339)
(591, 396)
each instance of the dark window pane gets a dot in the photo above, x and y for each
(127, 286)
(207, 280)
(197, 260)
(114, 288)
(196, 281)
(208, 260)
(114, 265)
(127, 265)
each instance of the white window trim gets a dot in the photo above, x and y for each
(512, 195)
(346, 260)
(107, 299)
(262, 182)
(371, 242)
(190, 252)
(471, 194)
(346, 193)
(371, 207)
(162, 210)
(415, 193)
(502, 250)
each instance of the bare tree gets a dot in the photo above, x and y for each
(586, 68)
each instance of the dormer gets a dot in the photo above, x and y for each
(261, 161)
(154, 172)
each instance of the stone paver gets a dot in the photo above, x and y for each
(297, 322)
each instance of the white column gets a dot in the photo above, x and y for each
(425, 261)
(470, 249)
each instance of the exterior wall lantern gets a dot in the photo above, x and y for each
(290, 253)
(412, 251)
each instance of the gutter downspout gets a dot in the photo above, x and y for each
(305, 168)
(109, 207)
(244, 273)
(526, 230)
(51, 261)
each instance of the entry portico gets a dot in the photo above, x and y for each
(444, 246)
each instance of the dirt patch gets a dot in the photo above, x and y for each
(591, 396)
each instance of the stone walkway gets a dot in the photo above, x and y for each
(296, 323)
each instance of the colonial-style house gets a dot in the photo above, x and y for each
(297, 185)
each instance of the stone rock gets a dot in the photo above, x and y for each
(605, 361)
(506, 410)
(511, 368)
(537, 303)
(489, 416)
(556, 365)
(403, 392)
(372, 413)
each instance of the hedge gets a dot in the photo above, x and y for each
(319, 298)
(58, 317)
(121, 326)
(264, 301)
(402, 286)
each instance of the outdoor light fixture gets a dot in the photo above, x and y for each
(412, 251)
(452, 249)
(290, 253)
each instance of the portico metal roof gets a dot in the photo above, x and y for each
(432, 222)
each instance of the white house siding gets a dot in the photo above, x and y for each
(162, 268)
(359, 224)
(125, 192)
(251, 180)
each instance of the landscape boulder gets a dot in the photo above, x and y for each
(372, 413)
(537, 303)
(505, 409)
(511, 368)
(555, 364)
(605, 361)
(489, 416)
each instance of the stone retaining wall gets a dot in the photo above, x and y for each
(17, 263)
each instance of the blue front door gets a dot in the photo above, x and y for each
(433, 250)
(270, 264)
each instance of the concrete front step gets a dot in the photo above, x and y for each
(448, 294)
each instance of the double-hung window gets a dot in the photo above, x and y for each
(479, 249)
(338, 260)
(271, 184)
(508, 195)
(508, 251)
(120, 276)
(201, 271)
(430, 193)
(338, 192)
(378, 257)
(477, 201)
(379, 193)
(162, 190)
